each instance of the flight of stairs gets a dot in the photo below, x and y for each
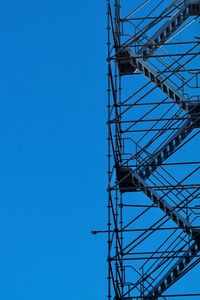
(130, 180)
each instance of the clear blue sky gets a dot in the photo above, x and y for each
(52, 150)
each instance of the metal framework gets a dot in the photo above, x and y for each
(153, 140)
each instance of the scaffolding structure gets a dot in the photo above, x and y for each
(153, 141)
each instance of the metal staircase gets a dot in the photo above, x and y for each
(134, 181)
(176, 272)
(141, 178)
(155, 160)
(184, 10)
(137, 182)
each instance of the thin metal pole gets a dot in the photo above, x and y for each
(109, 151)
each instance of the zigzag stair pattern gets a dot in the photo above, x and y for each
(128, 179)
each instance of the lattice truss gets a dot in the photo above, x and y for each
(153, 146)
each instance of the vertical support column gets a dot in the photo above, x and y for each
(109, 152)
(118, 149)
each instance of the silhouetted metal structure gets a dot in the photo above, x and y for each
(153, 146)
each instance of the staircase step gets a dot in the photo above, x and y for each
(156, 159)
(175, 272)
(187, 9)
(133, 182)
(194, 112)
(160, 81)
